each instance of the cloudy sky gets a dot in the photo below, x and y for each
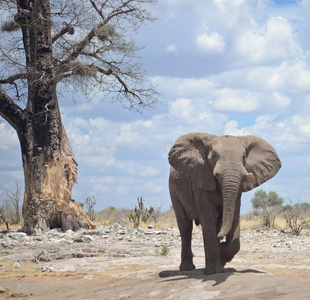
(223, 67)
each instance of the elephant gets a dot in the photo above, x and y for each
(208, 174)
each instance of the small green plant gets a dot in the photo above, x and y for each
(164, 251)
(140, 213)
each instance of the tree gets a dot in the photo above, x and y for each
(265, 202)
(297, 216)
(9, 207)
(51, 47)
(261, 199)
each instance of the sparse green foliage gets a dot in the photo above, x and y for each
(265, 203)
(296, 216)
(140, 213)
(261, 199)
(164, 251)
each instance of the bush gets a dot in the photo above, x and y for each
(9, 207)
(90, 204)
(265, 204)
(164, 250)
(297, 216)
(140, 213)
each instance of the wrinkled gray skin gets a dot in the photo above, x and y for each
(207, 176)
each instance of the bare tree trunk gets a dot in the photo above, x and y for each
(49, 166)
(50, 173)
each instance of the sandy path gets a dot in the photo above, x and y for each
(269, 266)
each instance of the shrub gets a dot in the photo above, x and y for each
(90, 204)
(164, 250)
(140, 213)
(296, 216)
(9, 207)
(265, 203)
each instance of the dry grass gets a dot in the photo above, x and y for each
(12, 227)
(111, 215)
(167, 219)
(254, 222)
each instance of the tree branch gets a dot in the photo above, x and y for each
(11, 79)
(67, 29)
(99, 11)
(121, 81)
(10, 111)
(79, 48)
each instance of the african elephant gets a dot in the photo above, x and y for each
(207, 176)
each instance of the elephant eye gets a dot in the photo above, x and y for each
(244, 157)
(214, 155)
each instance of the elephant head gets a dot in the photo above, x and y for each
(230, 164)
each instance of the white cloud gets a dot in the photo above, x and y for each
(228, 4)
(231, 128)
(149, 172)
(273, 42)
(128, 135)
(154, 187)
(235, 101)
(8, 137)
(182, 108)
(211, 42)
(171, 48)
(287, 134)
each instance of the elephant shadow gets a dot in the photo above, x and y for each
(176, 275)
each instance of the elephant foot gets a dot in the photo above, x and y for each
(187, 266)
(213, 269)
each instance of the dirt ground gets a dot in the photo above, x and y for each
(270, 265)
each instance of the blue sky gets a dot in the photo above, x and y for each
(223, 67)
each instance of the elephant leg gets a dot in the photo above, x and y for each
(231, 247)
(208, 221)
(186, 227)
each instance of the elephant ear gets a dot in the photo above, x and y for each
(262, 162)
(188, 156)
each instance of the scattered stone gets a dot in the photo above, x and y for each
(48, 269)
(19, 236)
(2, 290)
(70, 269)
(17, 265)
(41, 256)
(124, 296)
(88, 277)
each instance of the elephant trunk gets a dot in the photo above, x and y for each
(230, 181)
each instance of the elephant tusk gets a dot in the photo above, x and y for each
(223, 239)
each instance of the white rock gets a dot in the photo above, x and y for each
(70, 269)
(17, 265)
(48, 269)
